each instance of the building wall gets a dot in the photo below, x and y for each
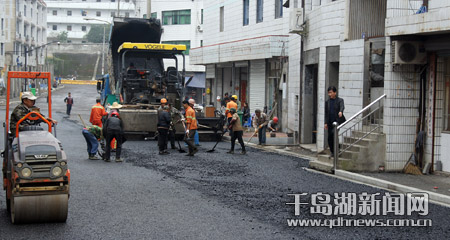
(233, 21)
(187, 32)
(76, 20)
(293, 84)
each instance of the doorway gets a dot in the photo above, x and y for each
(310, 103)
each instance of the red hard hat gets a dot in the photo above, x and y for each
(275, 119)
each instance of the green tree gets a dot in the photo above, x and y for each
(95, 34)
(62, 37)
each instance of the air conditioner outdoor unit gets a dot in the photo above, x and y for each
(199, 28)
(408, 52)
(296, 21)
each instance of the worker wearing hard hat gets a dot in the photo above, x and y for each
(273, 125)
(163, 103)
(231, 104)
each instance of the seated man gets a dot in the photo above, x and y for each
(27, 105)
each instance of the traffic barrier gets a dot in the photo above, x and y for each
(79, 82)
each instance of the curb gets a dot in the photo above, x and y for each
(371, 181)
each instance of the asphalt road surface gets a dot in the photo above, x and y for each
(212, 196)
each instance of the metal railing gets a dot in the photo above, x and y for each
(369, 117)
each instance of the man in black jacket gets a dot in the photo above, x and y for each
(164, 120)
(334, 112)
(113, 128)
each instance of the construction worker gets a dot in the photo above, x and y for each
(273, 125)
(27, 106)
(230, 104)
(97, 112)
(260, 124)
(92, 134)
(196, 137)
(238, 131)
(113, 128)
(164, 121)
(191, 128)
(163, 103)
(176, 117)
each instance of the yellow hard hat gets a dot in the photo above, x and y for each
(235, 97)
(163, 100)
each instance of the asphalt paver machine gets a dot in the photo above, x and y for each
(36, 177)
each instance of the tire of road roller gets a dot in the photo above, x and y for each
(8, 203)
(39, 209)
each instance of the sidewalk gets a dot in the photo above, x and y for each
(436, 185)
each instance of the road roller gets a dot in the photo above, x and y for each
(36, 176)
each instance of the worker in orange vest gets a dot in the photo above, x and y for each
(191, 128)
(97, 112)
(231, 104)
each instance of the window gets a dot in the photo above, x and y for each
(83, 41)
(54, 27)
(201, 18)
(176, 17)
(69, 13)
(83, 28)
(278, 8)
(3, 22)
(201, 43)
(69, 41)
(99, 14)
(98, 0)
(1, 49)
(222, 19)
(24, 10)
(55, 13)
(31, 12)
(127, 0)
(259, 10)
(246, 12)
(154, 15)
(83, 13)
(113, 14)
(127, 14)
(113, 0)
(181, 42)
(69, 28)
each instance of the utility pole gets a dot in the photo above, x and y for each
(149, 9)
(118, 8)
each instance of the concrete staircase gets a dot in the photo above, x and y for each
(367, 155)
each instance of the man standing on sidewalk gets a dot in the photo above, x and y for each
(97, 112)
(191, 128)
(69, 102)
(334, 112)
(260, 124)
(238, 131)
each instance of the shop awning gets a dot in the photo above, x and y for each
(198, 80)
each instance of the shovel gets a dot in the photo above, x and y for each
(212, 150)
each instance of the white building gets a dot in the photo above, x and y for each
(2, 37)
(69, 16)
(245, 50)
(24, 32)
(183, 24)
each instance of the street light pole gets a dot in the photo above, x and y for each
(103, 43)
(103, 51)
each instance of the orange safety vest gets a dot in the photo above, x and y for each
(97, 112)
(230, 105)
(190, 118)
